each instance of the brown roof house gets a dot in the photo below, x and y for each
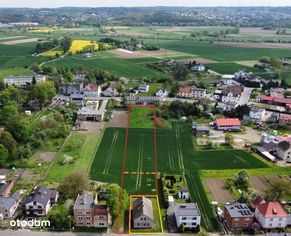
(142, 213)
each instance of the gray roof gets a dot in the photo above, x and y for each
(238, 210)
(284, 145)
(84, 201)
(187, 209)
(40, 195)
(89, 111)
(184, 190)
(7, 202)
(142, 206)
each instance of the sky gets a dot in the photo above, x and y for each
(129, 3)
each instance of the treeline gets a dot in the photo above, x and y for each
(46, 46)
(216, 33)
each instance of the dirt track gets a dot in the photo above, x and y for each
(119, 119)
(19, 41)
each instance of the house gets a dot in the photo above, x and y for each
(227, 124)
(142, 99)
(40, 202)
(200, 130)
(285, 102)
(187, 214)
(257, 114)
(217, 95)
(110, 92)
(144, 88)
(90, 112)
(83, 210)
(23, 81)
(73, 88)
(199, 93)
(92, 90)
(8, 206)
(142, 213)
(231, 94)
(162, 92)
(198, 67)
(271, 215)
(183, 193)
(88, 213)
(185, 92)
(238, 216)
(284, 119)
(101, 217)
(284, 151)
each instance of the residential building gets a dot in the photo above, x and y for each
(83, 209)
(185, 92)
(284, 151)
(271, 215)
(199, 93)
(183, 193)
(238, 216)
(257, 201)
(110, 92)
(88, 213)
(284, 119)
(92, 90)
(187, 214)
(8, 206)
(217, 94)
(40, 202)
(144, 88)
(90, 112)
(23, 81)
(142, 99)
(257, 114)
(142, 213)
(200, 130)
(74, 88)
(6, 188)
(78, 99)
(227, 124)
(231, 94)
(162, 92)
(198, 67)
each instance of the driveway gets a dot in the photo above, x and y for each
(245, 96)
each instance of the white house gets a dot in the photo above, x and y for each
(257, 114)
(143, 88)
(92, 90)
(161, 92)
(284, 151)
(187, 214)
(198, 67)
(183, 193)
(23, 81)
(231, 94)
(271, 215)
(199, 93)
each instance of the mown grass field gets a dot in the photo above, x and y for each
(231, 68)
(81, 147)
(141, 118)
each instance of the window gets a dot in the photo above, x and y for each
(279, 224)
(246, 225)
(80, 218)
(270, 225)
(194, 224)
(88, 218)
(194, 218)
(280, 219)
(247, 219)
(184, 218)
(88, 212)
(271, 219)
(235, 219)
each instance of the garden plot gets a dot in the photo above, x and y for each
(218, 190)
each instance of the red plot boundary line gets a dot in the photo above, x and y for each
(124, 160)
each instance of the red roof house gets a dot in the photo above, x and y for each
(271, 215)
(228, 124)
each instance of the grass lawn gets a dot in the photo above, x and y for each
(15, 71)
(81, 147)
(141, 118)
(231, 68)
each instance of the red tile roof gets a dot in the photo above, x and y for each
(276, 99)
(271, 209)
(91, 87)
(285, 117)
(266, 98)
(228, 122)
(257, 201)
(185, 89)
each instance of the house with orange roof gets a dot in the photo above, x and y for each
(271, 215)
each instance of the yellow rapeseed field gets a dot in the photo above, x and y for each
(79, 45)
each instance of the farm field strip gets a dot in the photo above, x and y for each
(110, 154)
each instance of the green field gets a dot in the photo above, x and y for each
(231, 68)
(141, 118)
(81, 148)
(221, 52)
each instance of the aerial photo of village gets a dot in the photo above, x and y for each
(145, 118)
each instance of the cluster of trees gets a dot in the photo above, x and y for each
(217, 33)
(100, 76)
(46, 46)
(238, 112)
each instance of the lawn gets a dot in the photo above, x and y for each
(231, 68)
(141, 118)
(81, 148)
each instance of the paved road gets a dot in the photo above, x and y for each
(245, 96)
